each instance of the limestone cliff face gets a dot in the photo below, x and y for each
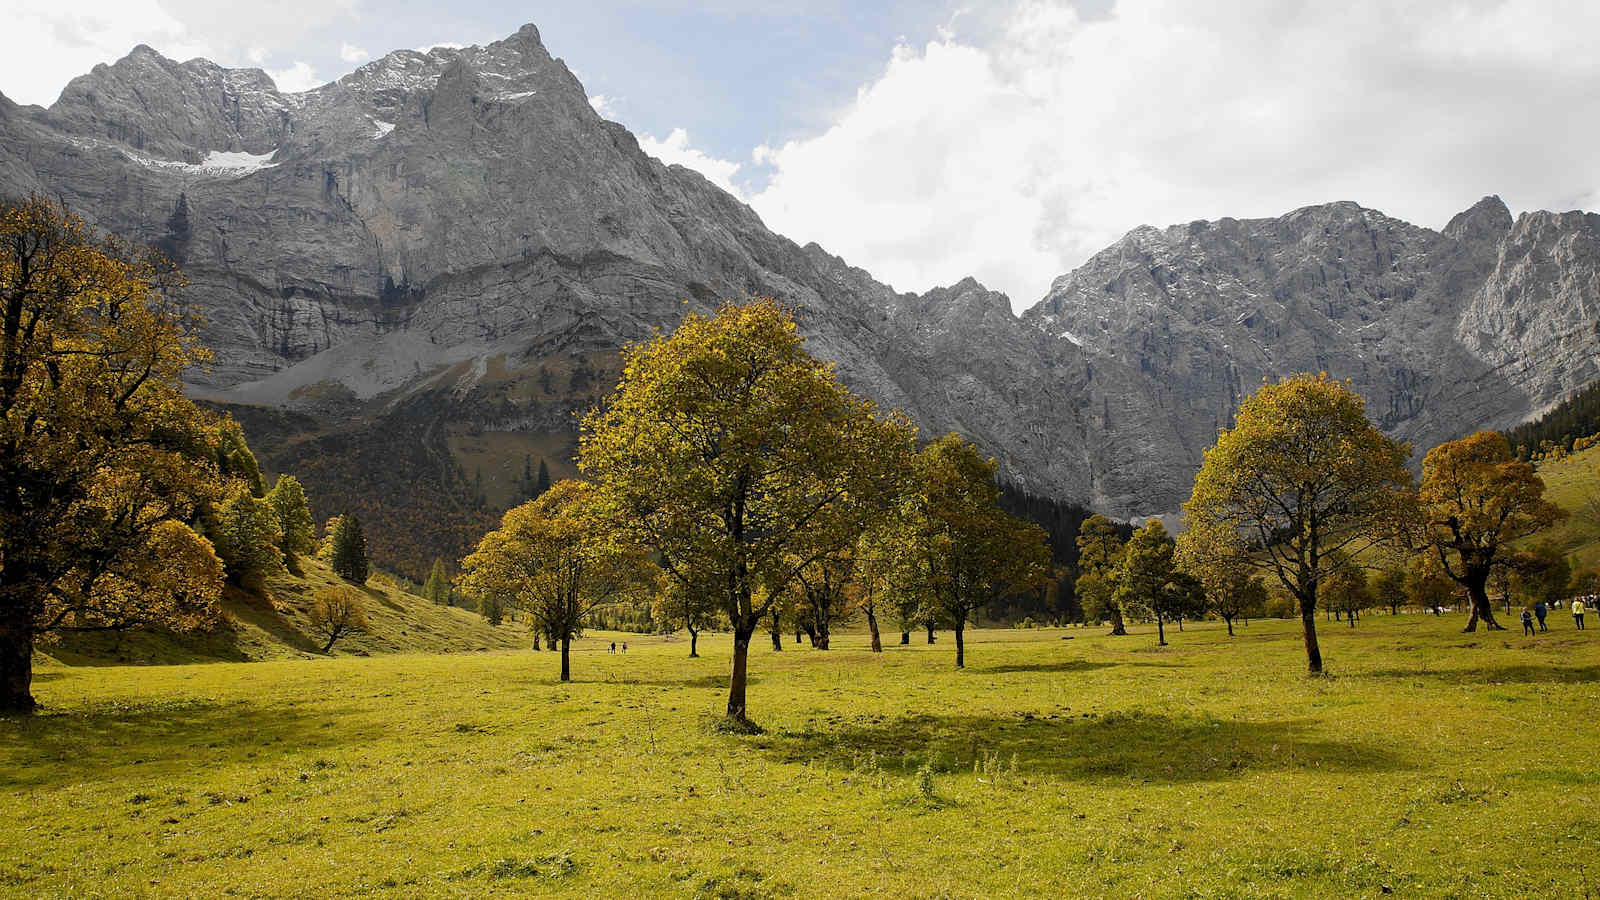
(1210, 309)
(457, 235)
(1536, 318)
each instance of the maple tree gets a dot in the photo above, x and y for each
(1302, 480)
(738, 459)
(103, 461)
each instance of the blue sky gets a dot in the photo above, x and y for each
(1006, 139)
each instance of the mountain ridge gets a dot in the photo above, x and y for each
(454, 245)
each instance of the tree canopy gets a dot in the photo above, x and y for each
(738, 458)
(1302, 480)
(555, 559)
(1475, 500)
(966, 551)
(1147, 581)
(103, 461)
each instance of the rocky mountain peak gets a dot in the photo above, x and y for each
(1486, 220)
(453, 245)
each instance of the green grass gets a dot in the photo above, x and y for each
(1432, 764)
(1569, 482)
(275, 625)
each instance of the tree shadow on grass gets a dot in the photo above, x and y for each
(719, 681)
(57, 746)
(1145, 746)
(1516, 674)
(1066, 665)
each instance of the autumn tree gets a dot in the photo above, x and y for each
(737, 458)
(556, 560)
(1099, 547)
(336, 613)
(103, 461)
(679, 606)
(1303, 475)
(235, 460)
(297, 530)
(1542, 573)
(1389, 588)
(878, 575)
(348, 550)
(1232, 589)
(966, 551)
(1147, 581)
(1476, 499)
(822, 589)
(1346, 591)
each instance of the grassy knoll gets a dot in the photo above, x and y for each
(1570, 483)
(276, 626)
(1432, 764)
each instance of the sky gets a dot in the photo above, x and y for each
(1004, 139)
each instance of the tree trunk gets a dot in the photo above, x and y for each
(1117, 627)
(930, 634)
(822, 638)
(566, 663)
(536, 641)
(1161, 632)
(1229, 620)
(1478, 598)
(736, 682)
(694, 642)
(1308, 618)
(329, 645)
(961, 644)
(905, 637)
(872, 627)
(16, 666)
(777, 642)
(797, 636)
(1180, 623)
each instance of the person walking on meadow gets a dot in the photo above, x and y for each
(1577, 613)
(613, 646)
(1527, 622)
(1540, 610)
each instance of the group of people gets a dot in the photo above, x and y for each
(624, 646)
(1540, 611)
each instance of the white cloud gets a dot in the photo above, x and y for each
(350, 53)
(298, 77)
(1015, 159)
(49, 44)
(675, 150)
(442, 45)
(603, 105)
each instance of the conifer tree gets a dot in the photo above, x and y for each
(437, 587)
(541, 483)
(350, 550)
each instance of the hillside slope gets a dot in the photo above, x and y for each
(276, 626)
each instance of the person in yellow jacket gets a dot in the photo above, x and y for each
(1577, 612)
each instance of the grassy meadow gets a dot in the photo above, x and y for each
(1062, 762)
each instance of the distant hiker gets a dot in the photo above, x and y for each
(624, 646)
(1577, 613)
(1527, 621)
(1540, 610)
(613, 646)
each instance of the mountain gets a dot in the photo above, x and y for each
(415, 277)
